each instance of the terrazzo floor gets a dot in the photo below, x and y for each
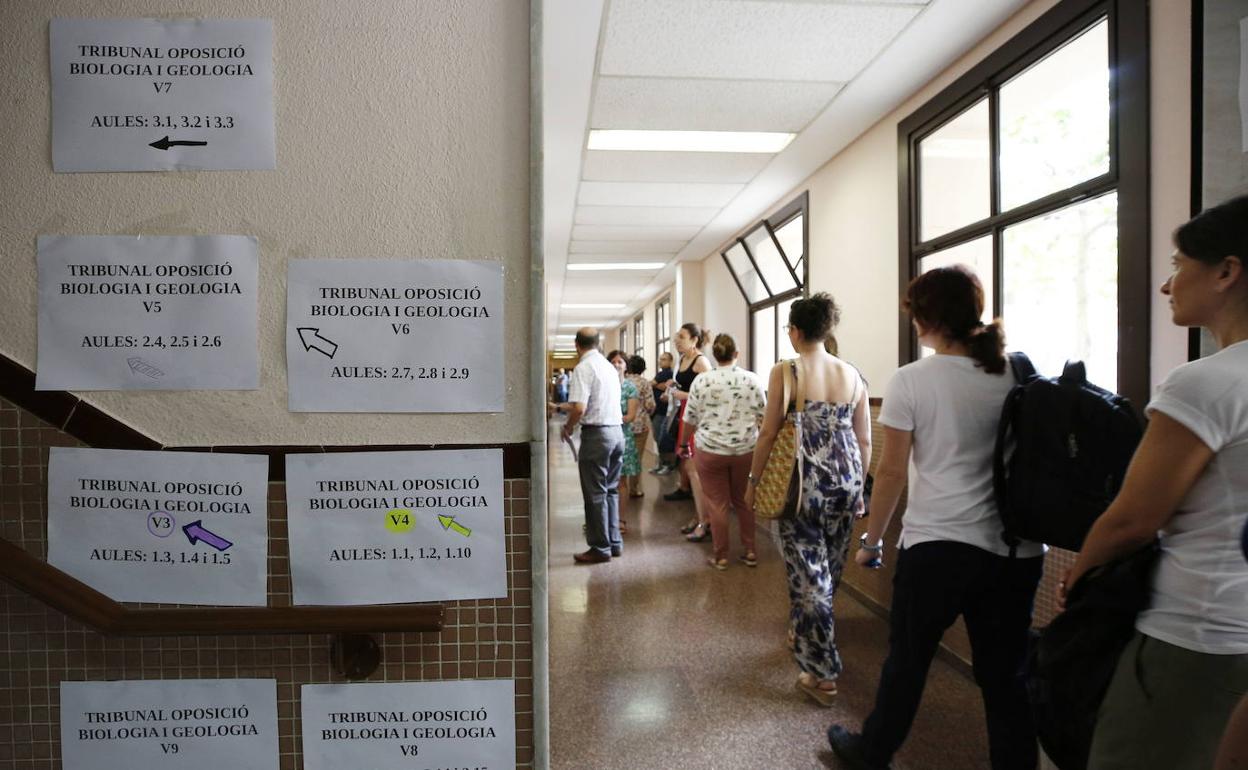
(659, 661)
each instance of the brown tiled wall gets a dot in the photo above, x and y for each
(877, 585)
(40, 647)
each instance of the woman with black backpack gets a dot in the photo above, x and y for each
(940, 418)
(1182, 674)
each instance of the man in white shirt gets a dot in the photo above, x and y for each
(594, 404)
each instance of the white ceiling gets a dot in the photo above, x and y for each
(825, 70)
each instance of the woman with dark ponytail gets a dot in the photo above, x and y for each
(940, 418)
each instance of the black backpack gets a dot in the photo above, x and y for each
(1072, 443)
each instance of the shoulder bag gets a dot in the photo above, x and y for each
(780, 485)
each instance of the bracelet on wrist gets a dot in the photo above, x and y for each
(862, 543)
(752, 480)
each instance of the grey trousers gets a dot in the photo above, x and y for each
(1166, 708)
(600, 461)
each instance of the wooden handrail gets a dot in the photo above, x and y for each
(83, 603)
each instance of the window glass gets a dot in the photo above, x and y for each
(764, 325)
(1060, 275)
(790, 236)
(739, 261)
(955, 174)
(639, 335)
(767, 256)
(1054, 120)
(784, 348)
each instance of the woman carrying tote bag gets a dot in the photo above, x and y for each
(833, 438)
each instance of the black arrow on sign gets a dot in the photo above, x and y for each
(315, 335)
(165, 144)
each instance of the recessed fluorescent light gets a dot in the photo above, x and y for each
(689, 141)
(593, 306)
(617, 266)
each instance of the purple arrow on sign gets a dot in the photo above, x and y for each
(195, 532)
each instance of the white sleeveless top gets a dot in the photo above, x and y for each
(1200, 589)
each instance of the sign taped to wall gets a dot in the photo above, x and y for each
(391, 527)
(394, 336)
(158, 95)
(167, 312)
(399, 726)
(169, 527)
(191, 724)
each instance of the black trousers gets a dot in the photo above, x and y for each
(934, 583)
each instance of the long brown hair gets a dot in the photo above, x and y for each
(950, 301)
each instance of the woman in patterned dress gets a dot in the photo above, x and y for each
(834, 430)
(640, 426)
(629, 399)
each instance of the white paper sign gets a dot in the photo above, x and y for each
(465, 725)
(391, 336)
(169, 527)
(390, 527)
(191, 724)
(168, 312)
(156, 95)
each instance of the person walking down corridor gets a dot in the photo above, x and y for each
(689, 340)
(664, 441)
(1179, 679)
(640, 426)
(630, 467)
(833, 444)
(723, 412)
(940, 419)
(594, 404)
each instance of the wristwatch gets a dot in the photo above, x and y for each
(752, 480)
(862, 543)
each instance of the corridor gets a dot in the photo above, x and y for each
(658, 661)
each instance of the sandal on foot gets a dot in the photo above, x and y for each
(748, 559)
(821, 692)
(691, 526)
(699, 533)
(719, 564)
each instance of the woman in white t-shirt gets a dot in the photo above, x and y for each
(1181, 676)
(940, 417)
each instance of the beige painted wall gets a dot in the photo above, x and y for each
(402, 133)
(854, 209)
(724, 309)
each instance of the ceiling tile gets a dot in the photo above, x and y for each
(716, 167)
(747, 40)
(644, 215)
(708, 105)
(656, 194)
(614, 233)
(626, 247)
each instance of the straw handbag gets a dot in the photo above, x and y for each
(780, 485)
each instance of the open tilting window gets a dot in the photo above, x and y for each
(769, 264)
(1033, 170)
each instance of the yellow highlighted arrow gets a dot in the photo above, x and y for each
(448, 522)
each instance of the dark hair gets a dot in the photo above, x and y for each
(950, 300)
(699, 335)
(611, 356)
(724, 348)
(586, 341)
(815, 317)
(1216, 233)
(636, 365)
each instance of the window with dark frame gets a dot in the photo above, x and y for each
(662, 328)
(770, 266)
(639, 337)
(1033, 169)
(623, 346)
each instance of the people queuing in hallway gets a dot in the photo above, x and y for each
(940, 418)
(630, 408)
(664, 440)
(833, 437)
(722, 416)
(1182, 675)
(640, 425)
(689, 340)
(594, 398)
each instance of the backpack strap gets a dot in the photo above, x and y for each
(1022, 367)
